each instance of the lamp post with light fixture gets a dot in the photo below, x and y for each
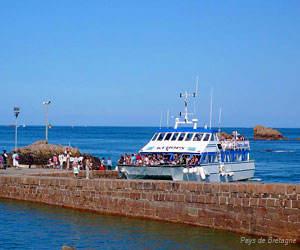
(17, 112)
(47, 103)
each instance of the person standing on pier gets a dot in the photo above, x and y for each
(15, 157)
(4, 159)
(88, 164)
(109, 164)
(68, 155)
(61, 161)
(75, 167)
(54, 160)
(84, 159)
(1, 162)
(30, 160)
(103, 162)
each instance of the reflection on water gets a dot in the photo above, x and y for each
(26, 225)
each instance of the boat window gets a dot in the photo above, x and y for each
(198, 137)
(154, 137)
(228, 157)
(168, 136)
(237, 157)
(174, 137)
(245, 156)
(231, 158)
(181, 136)
(161, 136)
(204, 158)
(206, 137)
(214, 137)
(214, 158)
(189, 136)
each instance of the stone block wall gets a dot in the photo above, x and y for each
(82, 174)
(251, 208)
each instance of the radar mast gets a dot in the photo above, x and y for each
(186, 113)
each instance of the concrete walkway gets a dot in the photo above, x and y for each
(29, 171)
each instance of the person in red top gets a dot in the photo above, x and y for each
(101, 167)
(138, 158)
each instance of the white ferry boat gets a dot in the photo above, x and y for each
(191, 154)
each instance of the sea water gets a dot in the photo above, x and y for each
(33, 226)
(282, 164)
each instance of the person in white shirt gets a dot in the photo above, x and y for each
(15, 157)
(109, 164)
(146, 160)
(61, 161)
(68, 159)
(88, 167)
(75, 167)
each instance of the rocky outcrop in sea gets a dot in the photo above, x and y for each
(42, 152)
(264, 133)
(68, 248)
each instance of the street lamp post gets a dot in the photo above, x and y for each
(17, 112)
(47, 103)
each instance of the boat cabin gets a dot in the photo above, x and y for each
(202, 144)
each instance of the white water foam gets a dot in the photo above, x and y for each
(284, 151)
(256, 179)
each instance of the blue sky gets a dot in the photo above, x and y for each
(123, 62)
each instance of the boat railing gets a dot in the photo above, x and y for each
(163, 165)
(234, 145)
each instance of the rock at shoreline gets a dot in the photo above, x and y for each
(297, 139)
(264, 133)
(39, 142)
(42, 152)
(68, 248)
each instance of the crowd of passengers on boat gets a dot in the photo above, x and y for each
(230, 154)
(184, 159)
(159, 159)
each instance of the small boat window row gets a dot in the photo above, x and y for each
(183, 136)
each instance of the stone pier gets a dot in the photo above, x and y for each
(249, 208)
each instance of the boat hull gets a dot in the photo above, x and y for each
(226, 172)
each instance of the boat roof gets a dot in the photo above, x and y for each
(192, 130)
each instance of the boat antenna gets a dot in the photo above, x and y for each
(186, 95)
(160, 119)
(220, 113)
(194, 107)
(168, 118)
(211, 103)
(196, 93)
(186, 120)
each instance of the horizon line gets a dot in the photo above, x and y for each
(134, 126)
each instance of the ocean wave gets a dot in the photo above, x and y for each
(256, 179)
(276, 151)
(284, 151)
